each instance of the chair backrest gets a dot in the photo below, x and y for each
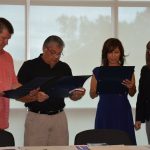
(6, 139)
(108, 136)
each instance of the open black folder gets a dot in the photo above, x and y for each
(54, 86)
(111, 79)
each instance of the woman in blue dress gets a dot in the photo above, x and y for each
(113, 110)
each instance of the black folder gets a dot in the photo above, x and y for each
(111, 78)
(26, 88)
(63, 86)
(54, 86)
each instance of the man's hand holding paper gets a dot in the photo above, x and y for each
(38, 95)
(1, 93)
(77, 93)
(34, 95)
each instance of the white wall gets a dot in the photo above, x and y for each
(78, 119)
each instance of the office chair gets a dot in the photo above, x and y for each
(6, 139)
(108, 136)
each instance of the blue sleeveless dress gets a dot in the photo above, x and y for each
(114, 112)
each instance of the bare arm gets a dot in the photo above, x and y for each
(130, 84)
(16, 85)
(93, 87)
(1, 93)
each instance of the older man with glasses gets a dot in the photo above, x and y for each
(46, 122)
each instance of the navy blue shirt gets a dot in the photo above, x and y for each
(38, 68)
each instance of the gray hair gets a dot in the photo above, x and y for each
(54, 38)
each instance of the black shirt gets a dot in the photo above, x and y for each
(38, 68)
(143, 98)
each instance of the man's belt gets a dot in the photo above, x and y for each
(46, 112)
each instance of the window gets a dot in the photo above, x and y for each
(134, 32)
(84, 26)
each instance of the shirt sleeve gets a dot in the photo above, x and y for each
(24, 73)
(96, 72)
(140, 110)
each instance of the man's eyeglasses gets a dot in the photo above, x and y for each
(52, 52)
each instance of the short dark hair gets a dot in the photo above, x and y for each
(110, 45)
(148, 54)
(148, 46)
(54, 38)
(5, 24)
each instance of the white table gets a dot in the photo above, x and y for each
(113, 147)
